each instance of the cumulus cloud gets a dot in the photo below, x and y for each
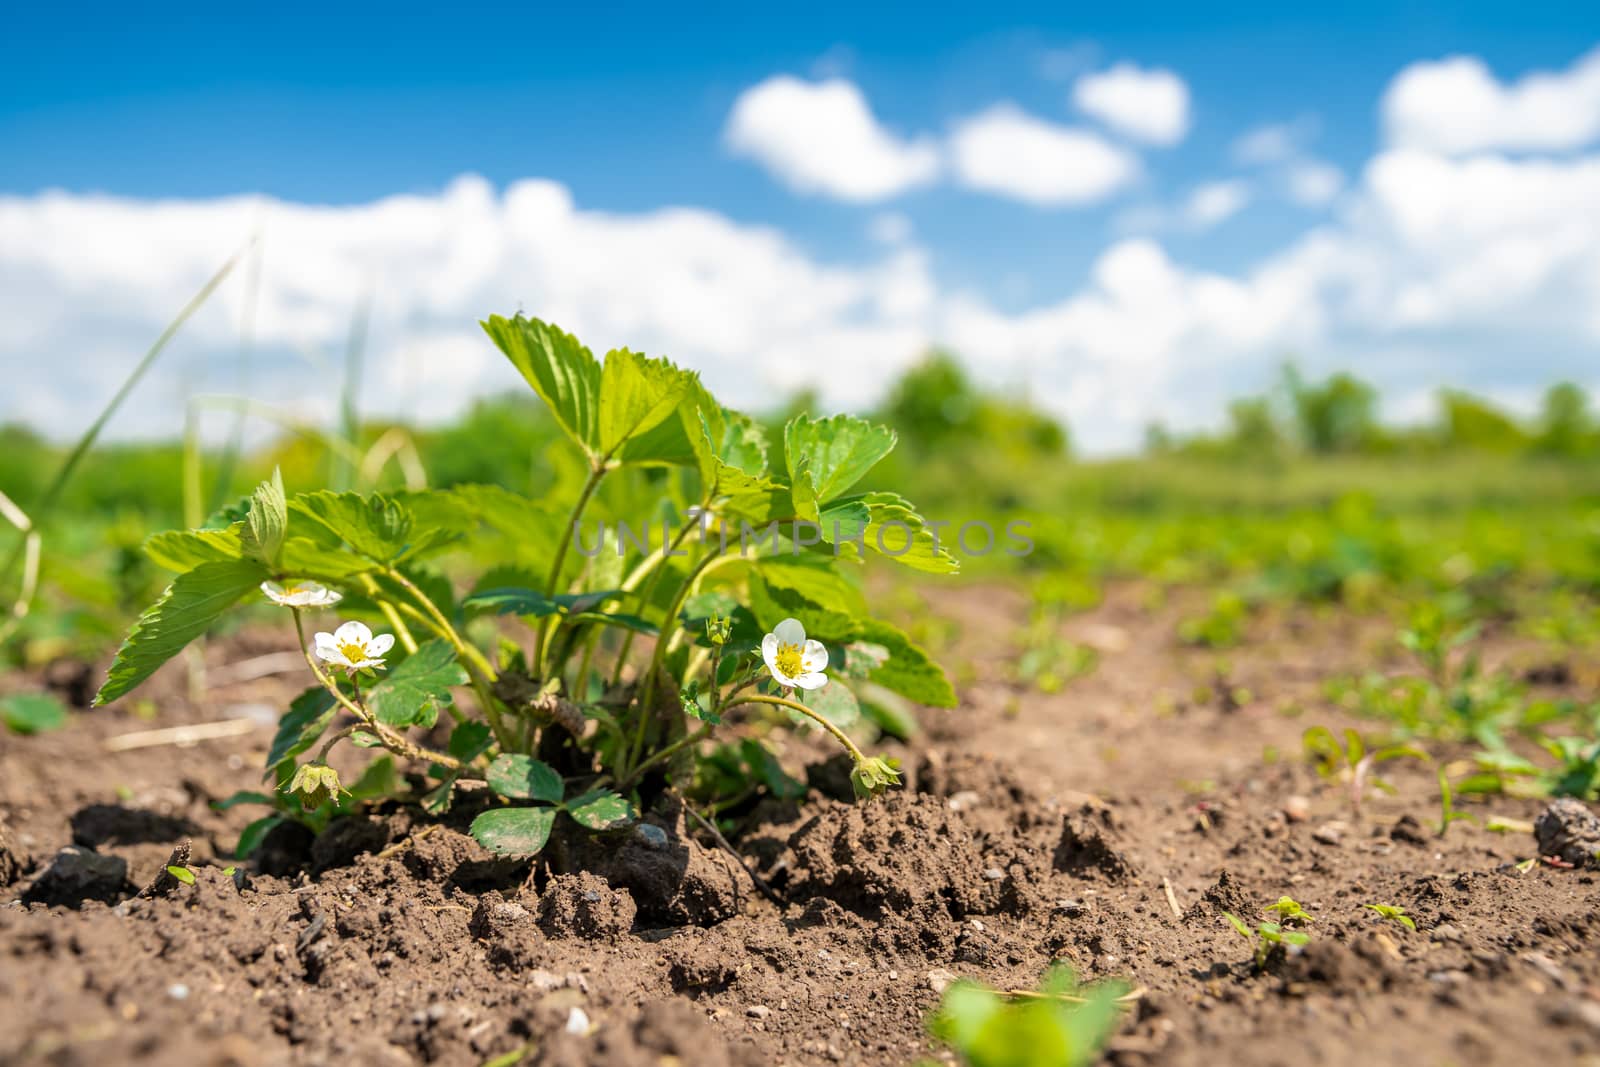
(822, 138)
(1274, 142)
(1457, 106)
(1146, 105)
(1313, 183)
(1207, 205)
(1009, 153)
(1432, 267)
(86, 282)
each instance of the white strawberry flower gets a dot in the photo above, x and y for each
(795, 662)
(353, 647)
(301, 594)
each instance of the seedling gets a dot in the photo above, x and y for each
(182, 874)
(747, 598)
(1447, 808)
(1289, 912)
(1350, 762)
(1058, 1025)
(1393, 913)
(1268, 938)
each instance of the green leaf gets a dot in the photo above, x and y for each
(251, 836)
(837, 451)
(601, 809)
(893, 529)
(563, 372)
(377, 527)
(191, 604)
(909, 670)
(689, 697)
(308, 716)
(834, 702)
(184, 550)
(861, 658)
(514, 831)
(412, 693)
(362, 739)
(769, 772)
(32, 713)
(520, 601)
(182, 874)
(243, 796)
(469, 740)
(818, 579)
(522, 777)
(267, 524)
(496, 524)
(637, 394)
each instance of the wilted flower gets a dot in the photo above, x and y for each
(872, 776)
(794, 661)
(317, 784)
(301, 594)
(353, 647)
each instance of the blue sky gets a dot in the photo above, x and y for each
(630, 111)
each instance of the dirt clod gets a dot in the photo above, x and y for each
(583, 905)
(1568, 829)
(78, 874)
(908, 854)
(13, 861)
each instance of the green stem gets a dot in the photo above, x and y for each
(482, 677)
(662, 755)
(648, 691)
(598, 470)
(794, 705)
(649, 571)
(392, 739)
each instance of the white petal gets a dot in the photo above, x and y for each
(769, 651)
(814, 680)
(790, 632)
(274, 592)
(814, 657)
(353, 633)
(380, 645)
(328, 596)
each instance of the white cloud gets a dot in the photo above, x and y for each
(1481, 271)
(1207, 205)
(86, 282)
(1313, 183)
(1147, 105)
(1277, 142)
(822, 138)
(1457, 106)
(1009, 153)
(890, 228)
(1216, 202)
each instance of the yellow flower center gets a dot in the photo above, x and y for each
(353, 652)
(788, 660)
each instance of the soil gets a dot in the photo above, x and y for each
(1107, 826)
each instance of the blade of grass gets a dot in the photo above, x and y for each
(52, 492)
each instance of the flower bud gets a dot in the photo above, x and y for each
(874, 775)
(317, 784)
(718, 627)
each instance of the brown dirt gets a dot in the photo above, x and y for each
(1032, 828)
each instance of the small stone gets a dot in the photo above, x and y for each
(578, 1022)
(178, 991)
(977, 924)
(1330, 833)
(1297, 808)
(1576, 1013)
(964, 800)
(994, 874)
(1446, 932)
(939, 979)
(650, 835)
(758, 1011)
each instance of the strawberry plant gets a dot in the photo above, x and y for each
(585, 648)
